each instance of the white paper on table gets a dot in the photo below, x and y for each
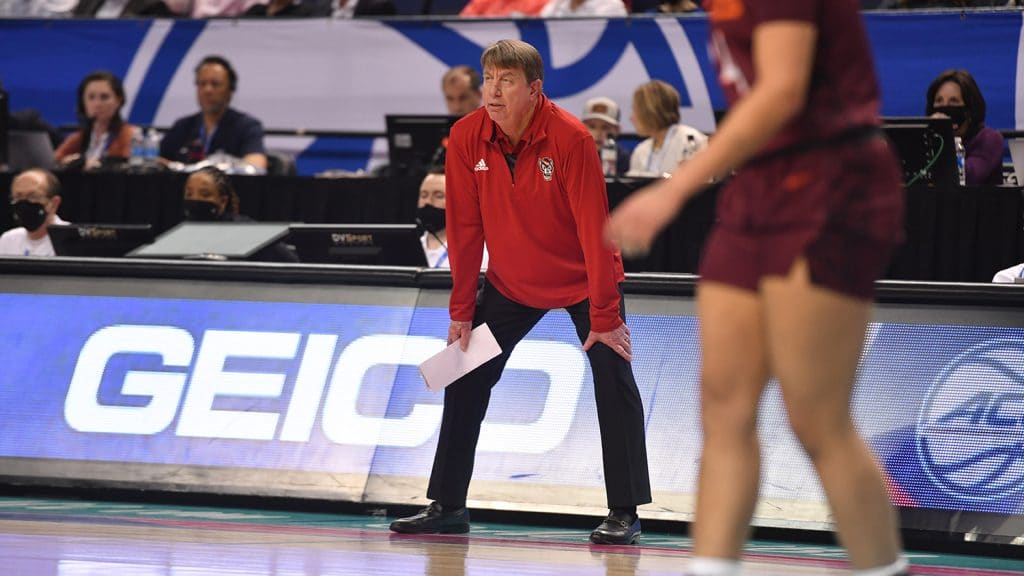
(452, 363)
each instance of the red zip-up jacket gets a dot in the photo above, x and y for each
(543, 227)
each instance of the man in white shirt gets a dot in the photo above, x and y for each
(35, 197)
(1011, 275)
(430, 216)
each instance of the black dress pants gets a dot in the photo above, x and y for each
(619, 407)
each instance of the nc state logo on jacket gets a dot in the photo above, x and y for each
(547, 167)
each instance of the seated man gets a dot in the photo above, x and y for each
(1013, 274)
(430, 216)
(461, 88)
(35, 197)
(601, 117)
(217, 127)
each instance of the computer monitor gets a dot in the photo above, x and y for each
(1016, 146)
(98, 240)
(413, 141)
(926, 149)
(29, 149)
(368, 244)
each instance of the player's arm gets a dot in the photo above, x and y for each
(783, 52)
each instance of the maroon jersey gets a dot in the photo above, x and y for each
(843, 88)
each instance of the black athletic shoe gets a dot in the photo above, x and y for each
(434, 519)
(617, 528)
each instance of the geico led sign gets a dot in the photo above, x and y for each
(195, 391)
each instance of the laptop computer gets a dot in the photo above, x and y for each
(926, 149)
(29, 149)
(1016, 146)
(213, 240)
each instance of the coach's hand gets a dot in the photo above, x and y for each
(617, 340)
(460, 330)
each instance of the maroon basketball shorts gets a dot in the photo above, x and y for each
(840, 206)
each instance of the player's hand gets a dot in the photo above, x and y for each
(460, 330)
(617, 340)
(638, 220)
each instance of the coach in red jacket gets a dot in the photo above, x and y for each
(523, 174)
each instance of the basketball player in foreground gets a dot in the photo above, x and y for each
(804, 228)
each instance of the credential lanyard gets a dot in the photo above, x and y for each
(204, 138)
(442, 259)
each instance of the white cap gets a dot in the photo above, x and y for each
(601, 108)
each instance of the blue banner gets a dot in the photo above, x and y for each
(345, 75)
(333, 388)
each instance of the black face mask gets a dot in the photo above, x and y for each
(200, 211)
(430, 218)
(31, 215)
(958, 114)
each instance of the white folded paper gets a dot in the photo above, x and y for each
(452, 363)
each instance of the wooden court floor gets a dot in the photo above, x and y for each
(52, 537)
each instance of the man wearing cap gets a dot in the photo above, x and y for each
(601, 117)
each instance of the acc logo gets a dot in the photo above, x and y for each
(970, 432)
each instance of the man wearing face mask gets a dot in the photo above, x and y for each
(430, 216)
(955, 95)
(35, 197)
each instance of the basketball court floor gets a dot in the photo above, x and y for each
(55, 537)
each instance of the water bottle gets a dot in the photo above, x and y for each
(138, 156)
(609, 157)
(961, 171)
(151, 146)
(691, 147)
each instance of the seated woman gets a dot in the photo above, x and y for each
(430, 216)
(210, 197)
(102, 133)
(954, 94)
(656, 116)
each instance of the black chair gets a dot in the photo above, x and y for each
(279, 164)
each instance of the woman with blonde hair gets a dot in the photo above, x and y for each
(656, 116)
